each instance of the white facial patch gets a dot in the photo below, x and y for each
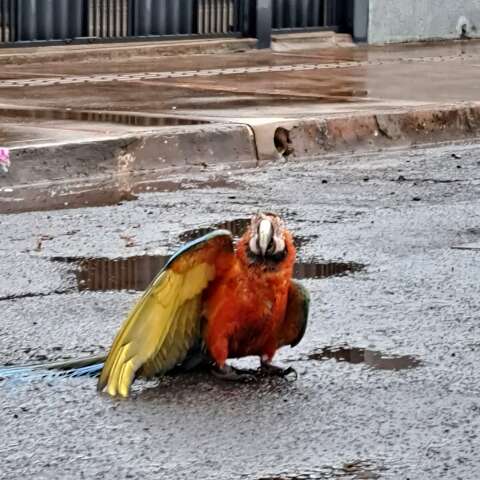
(265, 233)
(253, 245)
(267, 237)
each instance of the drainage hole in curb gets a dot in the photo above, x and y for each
(283, 142)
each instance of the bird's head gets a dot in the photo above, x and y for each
(267, 237)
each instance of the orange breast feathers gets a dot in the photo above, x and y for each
(245, 307)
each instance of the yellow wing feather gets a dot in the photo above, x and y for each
(165, 323)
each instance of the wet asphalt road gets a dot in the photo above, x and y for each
(399, 213)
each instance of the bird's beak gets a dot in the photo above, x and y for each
(265, 233)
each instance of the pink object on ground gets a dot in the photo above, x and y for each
(4, 159)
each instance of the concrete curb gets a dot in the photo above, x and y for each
(167, 151)
(113, 168)
(107, 171)
(119, 51)
(290, 42)
(368, 131)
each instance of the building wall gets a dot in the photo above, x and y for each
(413, 20)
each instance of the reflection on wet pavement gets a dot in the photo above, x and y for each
(237, 227)
(136, 272)
(26, 199)
(324, 269)
(356, 470)
(141, 120)
(372, 358)
(468, 246)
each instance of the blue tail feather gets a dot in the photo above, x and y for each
(91, 371)
(91, 366)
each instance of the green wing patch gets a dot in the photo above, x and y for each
(296, 316)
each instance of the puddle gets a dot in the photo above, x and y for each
(139, 120)
(103, 274)
(468, 246)
(325, 269)
(372, 358)
(136, 272)
(237, 227)
(356, 470)
(27, 199)
(30, 200)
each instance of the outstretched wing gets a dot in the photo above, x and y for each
(296, 316)
(165, 322)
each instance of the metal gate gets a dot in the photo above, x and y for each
(188, 17)
(301, 15)
(23, 22)
(34, 21)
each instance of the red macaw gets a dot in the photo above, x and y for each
(235, 302)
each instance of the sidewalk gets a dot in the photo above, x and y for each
(226, 108)
(101, 52)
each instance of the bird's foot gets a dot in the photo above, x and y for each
(273, 370)
(231, 374)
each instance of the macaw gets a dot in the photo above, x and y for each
(214, 301)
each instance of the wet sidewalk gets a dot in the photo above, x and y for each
(83, 130)
(58, 102)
